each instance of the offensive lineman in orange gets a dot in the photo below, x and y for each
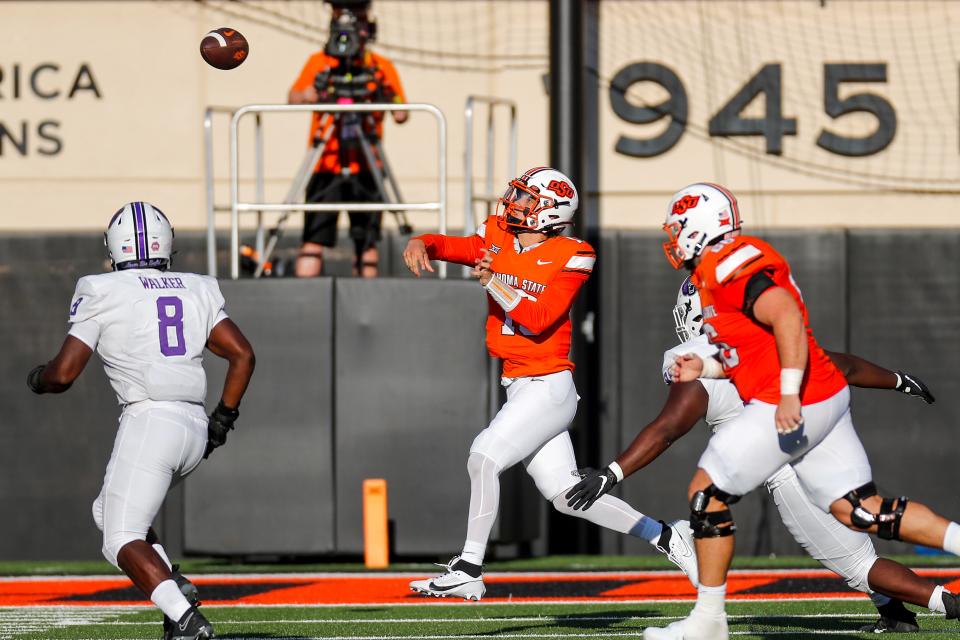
(796, 406)
(532, 275)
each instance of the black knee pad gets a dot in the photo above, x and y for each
(715, 524)
(887, 521)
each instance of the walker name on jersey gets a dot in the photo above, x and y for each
(162, 283)
(531, 287)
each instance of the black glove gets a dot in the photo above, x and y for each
(594, 484)
(33, 378)
(221, 421)
(913, 386)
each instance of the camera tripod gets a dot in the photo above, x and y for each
(350, 132)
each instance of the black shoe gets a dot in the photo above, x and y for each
(187, 588)
(952, 604)
(894, 618)
(189, 591)
(192, 626)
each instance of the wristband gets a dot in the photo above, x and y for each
(790, 381)
(503, 294)
(617, 471)
(711, 368)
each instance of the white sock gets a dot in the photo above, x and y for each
(711, 600)
(163, 555)
(168, 599)
(879, 600)
(936, 601)
(473, 552)
(484, 504)
(951, 539)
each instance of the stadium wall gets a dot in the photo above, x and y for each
(388, 378)
(102, 102)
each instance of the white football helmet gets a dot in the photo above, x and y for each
(542, 199)
(688, 314)
(698, 215)
(139, 237)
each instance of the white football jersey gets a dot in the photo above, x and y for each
(150, 328)
(725, 403)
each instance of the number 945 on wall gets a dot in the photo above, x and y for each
(730, 121)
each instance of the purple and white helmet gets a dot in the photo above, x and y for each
(139, 237)
(688, 314)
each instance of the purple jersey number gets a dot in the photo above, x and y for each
(166, 305)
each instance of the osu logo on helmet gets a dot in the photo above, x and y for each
(686, 202)
(561, 188)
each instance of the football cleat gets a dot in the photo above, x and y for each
(191, 626)
(952, 604)
(187, 588)
(189, 591)
(676, 541)
(694, 627)
(894, 618)
(454, 582)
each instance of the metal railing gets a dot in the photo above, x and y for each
(237, 207)
(488, 196)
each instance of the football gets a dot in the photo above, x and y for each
(224, 48)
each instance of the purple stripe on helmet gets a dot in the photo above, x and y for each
(138, 223)
(136, 228)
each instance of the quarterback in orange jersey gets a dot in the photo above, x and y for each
(531, 274)
(796, 406)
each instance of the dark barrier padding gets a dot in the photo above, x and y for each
(411, 394)
(904, 311)
(647, 293)
(270, 489)
(53, 448)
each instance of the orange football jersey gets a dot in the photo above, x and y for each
(534, 338)
(748, 349)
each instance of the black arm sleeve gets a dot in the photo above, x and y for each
(756, 285)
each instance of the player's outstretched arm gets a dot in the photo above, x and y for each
(686, 405)
(57, 375)
(229, 343)
(432, 246)
(867, 375)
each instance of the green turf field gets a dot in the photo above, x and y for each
(549, 563)
(794, 619)
(450, 620)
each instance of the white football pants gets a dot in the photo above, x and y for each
(532, 426)
(849, 554)
(825, 452)
(158, 444)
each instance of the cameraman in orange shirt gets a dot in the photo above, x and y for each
(345, 72)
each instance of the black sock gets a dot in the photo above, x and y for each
(472, 570)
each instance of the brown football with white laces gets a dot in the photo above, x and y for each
(224, 48)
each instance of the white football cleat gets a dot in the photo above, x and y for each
(694, 627)
(676, 542)
(452, 583)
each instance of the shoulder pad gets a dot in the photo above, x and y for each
(743, 257)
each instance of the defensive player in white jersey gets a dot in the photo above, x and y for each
(848, 553)
(150, 327)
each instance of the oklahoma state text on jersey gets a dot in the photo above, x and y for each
(748, 349)
(534, 339)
